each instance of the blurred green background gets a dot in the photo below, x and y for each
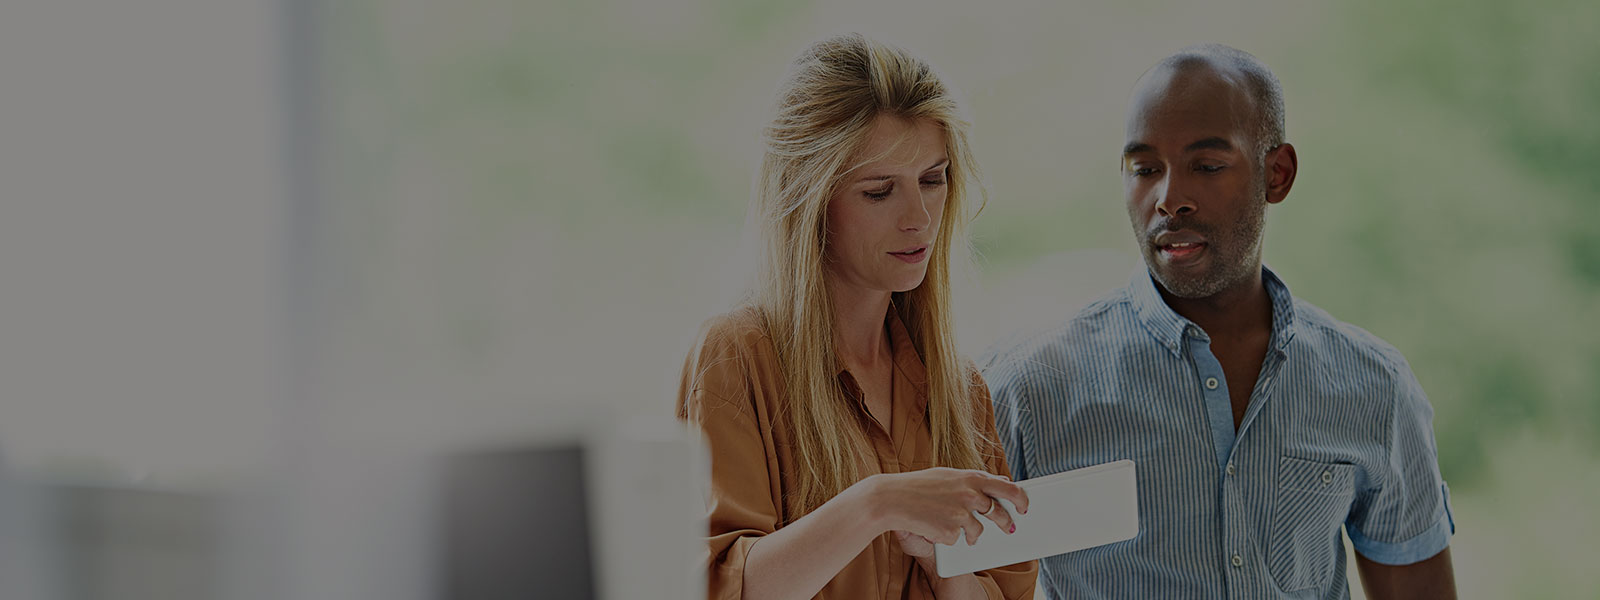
(535, 205)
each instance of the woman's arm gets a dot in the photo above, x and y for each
(937, 504)
(749, 554)
(798, 560)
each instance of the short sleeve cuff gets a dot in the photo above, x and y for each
(1417, 549)
(727, 576)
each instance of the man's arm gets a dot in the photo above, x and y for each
(1425, 580)
(1401, 525)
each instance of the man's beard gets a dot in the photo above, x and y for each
(1235, 251)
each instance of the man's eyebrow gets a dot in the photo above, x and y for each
(1210, 143)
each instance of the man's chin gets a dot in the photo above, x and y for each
(1185, 286)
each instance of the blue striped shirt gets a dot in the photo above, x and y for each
(1337, 432)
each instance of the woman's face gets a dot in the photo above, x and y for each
(885, 215)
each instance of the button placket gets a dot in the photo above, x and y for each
(1236, 536)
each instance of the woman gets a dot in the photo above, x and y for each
(846, 436)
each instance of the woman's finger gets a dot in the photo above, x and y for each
(1001, 517)
(950, 536)
(1009, 491)
(973, 529)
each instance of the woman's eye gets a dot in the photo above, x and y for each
(878, 194)
(933, 182)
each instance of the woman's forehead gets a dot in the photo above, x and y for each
(894, 144)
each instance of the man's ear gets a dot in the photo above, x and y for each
(1282, 165)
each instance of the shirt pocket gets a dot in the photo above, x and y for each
(1312, 501)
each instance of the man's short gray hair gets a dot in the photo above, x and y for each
(1261, 85)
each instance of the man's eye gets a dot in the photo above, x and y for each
(1144, 171)
(1209, 168)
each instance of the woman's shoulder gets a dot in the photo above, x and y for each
(742, 330)
(729, 348)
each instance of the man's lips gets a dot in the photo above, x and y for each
(1181, 244)
(1182, 249)
(1171, 238)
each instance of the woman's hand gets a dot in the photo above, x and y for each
(937, 505)
(914, 545)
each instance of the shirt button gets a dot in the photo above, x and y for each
(1230, 468)
(1327, 477)
(1237, 561)
(1211, 383)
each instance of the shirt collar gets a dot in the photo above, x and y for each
(1168, 327)
(1283, 324)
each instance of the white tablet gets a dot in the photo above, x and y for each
(1068, 511)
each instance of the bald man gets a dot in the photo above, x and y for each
(1261, 426)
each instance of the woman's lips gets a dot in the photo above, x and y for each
(913, 256)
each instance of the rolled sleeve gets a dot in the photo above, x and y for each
(739, 507)
(739, 510)
(1403, 516)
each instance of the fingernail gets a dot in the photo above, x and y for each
(1013, 528)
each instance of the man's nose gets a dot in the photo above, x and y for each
(1173, 199)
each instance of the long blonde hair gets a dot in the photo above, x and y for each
(826, 104)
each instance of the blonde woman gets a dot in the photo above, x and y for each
(846, 435)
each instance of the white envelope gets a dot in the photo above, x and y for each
(1068, 511)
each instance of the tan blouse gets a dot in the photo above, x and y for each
(732, 389)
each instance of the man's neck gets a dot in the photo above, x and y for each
(1231, 314)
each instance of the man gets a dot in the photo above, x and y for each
(1259, 424)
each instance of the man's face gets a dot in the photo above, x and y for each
(1194, 187)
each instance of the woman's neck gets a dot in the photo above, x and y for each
(858, 326)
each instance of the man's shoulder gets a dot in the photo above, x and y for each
(1332, 339)
(1095, 323)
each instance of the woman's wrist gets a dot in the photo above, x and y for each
(864, 504)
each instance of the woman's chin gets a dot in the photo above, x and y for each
(906, 285)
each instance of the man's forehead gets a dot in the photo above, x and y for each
(1184, 106)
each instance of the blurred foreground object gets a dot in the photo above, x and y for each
(615, 516)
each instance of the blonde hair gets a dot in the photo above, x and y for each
(826, 104)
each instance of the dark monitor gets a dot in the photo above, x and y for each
(516, 526)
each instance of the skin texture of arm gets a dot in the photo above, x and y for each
(798, 560)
